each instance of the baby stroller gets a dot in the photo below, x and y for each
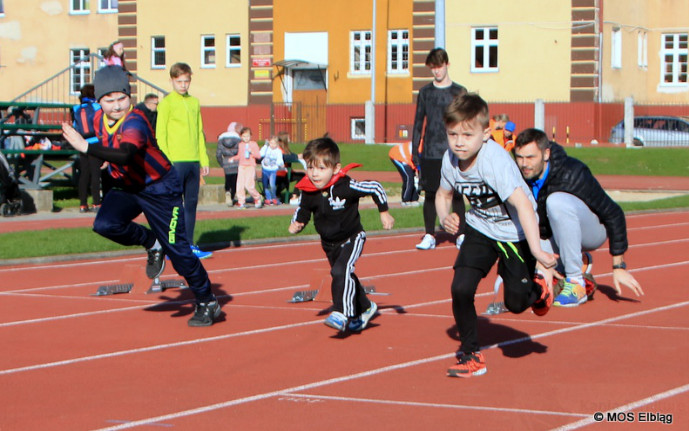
(10, 197)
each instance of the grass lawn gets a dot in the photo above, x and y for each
(601, 160)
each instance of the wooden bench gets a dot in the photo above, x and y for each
(28, 166)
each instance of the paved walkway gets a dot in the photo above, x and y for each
(72, 218)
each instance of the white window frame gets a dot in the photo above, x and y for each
(485, 45)
(83, 7)
(82, 73)
(353, 129)
(101, 52)
(616, 48)
(642, 50)
(398, 46)
(211, 50)
(230, 49)
(677, 50)
(107, 6)
(155, 50)
(360, 48)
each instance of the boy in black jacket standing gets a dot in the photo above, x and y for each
(429, 127)
(333, 199)
(575, 214)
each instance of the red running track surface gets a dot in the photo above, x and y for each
(73, 361)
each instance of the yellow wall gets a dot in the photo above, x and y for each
(36, 36)
(534, 48)
(182, 23)
(655, 18)
(338, 19)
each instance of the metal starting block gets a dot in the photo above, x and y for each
(158, 286)
(111, 289)
(311, 295)
(495, 308)
(304, 296)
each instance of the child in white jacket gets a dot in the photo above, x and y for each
(272, 161)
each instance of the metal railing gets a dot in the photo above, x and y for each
(63, 87)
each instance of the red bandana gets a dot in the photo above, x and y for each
(306, 185)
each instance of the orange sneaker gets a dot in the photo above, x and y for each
(468, 365)
(591, 285)
(543, 304)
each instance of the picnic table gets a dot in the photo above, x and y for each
(18, 128)
(29, 164)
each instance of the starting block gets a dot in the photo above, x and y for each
(158, 286)
(320, 290)
(111, 289)
(496, 307)
(134, 276)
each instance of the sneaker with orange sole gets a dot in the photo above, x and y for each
(468, 365)
(543, 304)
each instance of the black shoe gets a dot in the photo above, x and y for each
(83, 209)
(156, 263)
(205, 314)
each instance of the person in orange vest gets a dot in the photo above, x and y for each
(509, 135)
(497, 126)
(400, 156)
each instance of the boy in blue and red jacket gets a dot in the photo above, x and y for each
(143, 182)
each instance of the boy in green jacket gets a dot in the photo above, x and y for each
(179, 131)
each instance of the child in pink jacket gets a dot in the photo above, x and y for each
(246, 176)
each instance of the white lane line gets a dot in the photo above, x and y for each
(434, 405)
(627, 407)
(308, 386)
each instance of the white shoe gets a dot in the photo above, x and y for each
(258, 204)
(427, 243)
(460, 240)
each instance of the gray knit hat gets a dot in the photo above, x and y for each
(111, 79)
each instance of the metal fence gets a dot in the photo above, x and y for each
(569, 123)
(63, 87)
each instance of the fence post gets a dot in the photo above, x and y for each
(629, 121)
(539, 114)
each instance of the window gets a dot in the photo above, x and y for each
(2, 8)
(234, 50)
(358, 128)
(101, 61)
(642, 50)
(309, 79)
(80, 73)
(484, 49)
(360, 52)
(79, 7)
(616, 48)
(158, 52)
(674, 52)
(207, 51)
(107, 6)
(398, 51)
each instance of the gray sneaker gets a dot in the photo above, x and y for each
(155, 265)
(205, 314)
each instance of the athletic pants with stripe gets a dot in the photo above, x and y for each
(161, 203)
(349, 296)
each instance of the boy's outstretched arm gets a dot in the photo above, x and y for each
(387, 220)
(295, 227)
(443, 207)
(529, 222)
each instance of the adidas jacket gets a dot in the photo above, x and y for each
(335, 209)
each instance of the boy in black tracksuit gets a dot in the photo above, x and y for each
(333, 199)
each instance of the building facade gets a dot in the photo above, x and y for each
(309, 68)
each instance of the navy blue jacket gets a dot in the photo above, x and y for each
(572, 176)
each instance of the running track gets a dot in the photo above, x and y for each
(73, 361)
